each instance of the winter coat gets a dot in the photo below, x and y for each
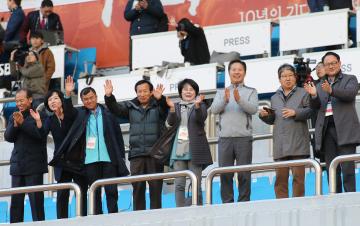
(47, 60)
(13, 28)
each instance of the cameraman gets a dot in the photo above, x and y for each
(192, 42)
(32, 75)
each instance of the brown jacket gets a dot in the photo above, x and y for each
(47, 60)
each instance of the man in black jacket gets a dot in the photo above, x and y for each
(28, 160)
(43, 19)
(192, 42)
(147, 114)
(94, 146)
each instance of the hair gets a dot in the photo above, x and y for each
(17, 2)
(86, 91)
(184, 24)
(285, 67)
(330, 54)
(29, 94)
(36, 34)
(191, 82)
(49, 94)
(237, 61)
(47, 3)
(144, 82)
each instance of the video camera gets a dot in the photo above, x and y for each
(303, 70)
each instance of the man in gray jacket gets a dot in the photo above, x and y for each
(337, 125)
(235, 106)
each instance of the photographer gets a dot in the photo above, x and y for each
(32, 74)
(192, 42)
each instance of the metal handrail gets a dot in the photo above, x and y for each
(333, 166)
(263, 167)
(4, 163)
(47, 187)
(145, 177)
(7, 99)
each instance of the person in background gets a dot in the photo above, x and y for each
(192, 42)
(59, 124)
(94, 147)
(46, 57)
(28, 161)
(289, 112)
(146, 114)
(235, 106)
(12, 36)
(190, 150)
(316, 5)
(337, 122)
(43, 19)
(339, 4)
(32, 75)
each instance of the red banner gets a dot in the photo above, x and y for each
(101, 24)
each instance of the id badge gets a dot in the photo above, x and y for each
(91, 143)
(183, 133)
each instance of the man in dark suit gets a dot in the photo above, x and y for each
(12, 35)
(28, 158)
(43, 19)
(337, 122)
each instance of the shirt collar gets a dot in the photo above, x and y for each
(240, 85)
(290, 93)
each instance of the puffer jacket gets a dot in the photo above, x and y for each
(146, 124)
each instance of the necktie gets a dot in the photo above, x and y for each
(42, 23)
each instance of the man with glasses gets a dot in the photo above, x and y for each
(337, 124)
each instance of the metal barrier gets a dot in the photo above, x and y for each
(47, 187)
(333, 166)
(139, 178)
(263, 167)
(4, 163)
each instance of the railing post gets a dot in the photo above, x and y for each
(144, 177)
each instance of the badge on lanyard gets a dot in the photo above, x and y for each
(91, 143)
(183, 133)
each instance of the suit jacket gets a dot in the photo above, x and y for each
(32, 23)
(344, 91)
(13, 29)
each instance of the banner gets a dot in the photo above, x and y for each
(101, 23)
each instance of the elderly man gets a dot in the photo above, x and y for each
(28, 158)
(235, 106)
(334, 98)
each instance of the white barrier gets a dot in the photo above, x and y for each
(262, 73)
(204, 75)
(349, 60)
(247, 38)
(314, 30)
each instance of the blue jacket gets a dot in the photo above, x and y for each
(144, 21)
(13, 29)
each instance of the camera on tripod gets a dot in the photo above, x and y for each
(303, 70)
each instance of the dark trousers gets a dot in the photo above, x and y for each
(102, 170)
(146, 165)
(282, 179)
(332, 150)
(62, 199)
(237, 149)
(36, 199)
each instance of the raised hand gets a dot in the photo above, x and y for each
(157, 93)
(18, 118)
(236, 95)
(69, 86)
(172, 22)
(144, 4)
(227, 95)
(108, 87)
(198, 100)
(310, 88)
(287, 112)
(326, 87)
(35, 115)
(170, 104)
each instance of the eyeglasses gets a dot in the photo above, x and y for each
(287, 76)
(334, 63)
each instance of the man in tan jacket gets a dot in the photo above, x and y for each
(46, 57)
